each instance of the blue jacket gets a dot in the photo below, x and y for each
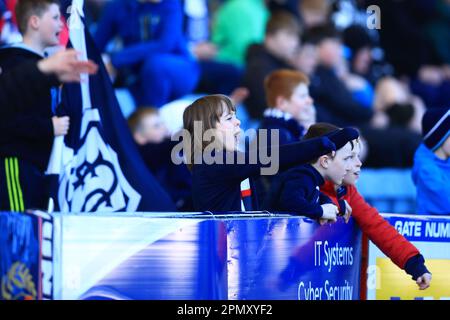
(431, 176)
(216, 187)
(144, 28)
(297, 191)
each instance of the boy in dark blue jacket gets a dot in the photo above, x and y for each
(290, 112)
(290, 107)
(297, 189)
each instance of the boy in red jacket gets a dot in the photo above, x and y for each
(404, 254)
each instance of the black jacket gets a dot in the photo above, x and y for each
(26, 128)
(334, 102)
(216, 187)
(259, 63)
(297, 191)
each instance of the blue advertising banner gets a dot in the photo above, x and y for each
(195, 256)
(293, 258)
(417, 229)
(207, 257)
(141, 256)
(26, 256)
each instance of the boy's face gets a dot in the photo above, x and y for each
(306, 59)
(151, 130)
(229, 129)
(300, 104)
(284, 43)
(353, 175)
(340, 165)
(50, 26)
(330, 52)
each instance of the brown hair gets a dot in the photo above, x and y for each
(206, 110)
(282, 83)
(26, 8)
(282, 20)
(134, 120)
(321, 129)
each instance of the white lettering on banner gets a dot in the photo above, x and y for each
(437, 229)
(47, 259)
(317, 247)
(332, 292)
(409, 228)
(337, 255)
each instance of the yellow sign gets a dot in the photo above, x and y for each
(395, 283)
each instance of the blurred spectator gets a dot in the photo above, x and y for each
(9, 32)
(315, 12)
(394, 102)
(431, 171)
(215, 76)
(238, 24)
(401, 35)
(290, 107)
(334, 100)
(415, 37)
(278, 51)
(394, 132)
(359, 44)
(154, 48)
(438, 30)
(306, 58)
(291, 6)
(155, 147)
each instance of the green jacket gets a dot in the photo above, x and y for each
(237, 24)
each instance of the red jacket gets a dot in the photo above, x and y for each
(372, 224)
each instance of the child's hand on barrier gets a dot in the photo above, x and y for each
(330, 212)
(424, 281)
(348, 212)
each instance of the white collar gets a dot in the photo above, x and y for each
(277, 113)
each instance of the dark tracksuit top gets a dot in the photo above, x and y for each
(297, 191)
(24, 78)
(26, 129)
(26, 136)
(216, 187)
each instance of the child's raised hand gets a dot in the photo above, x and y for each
(424, 281)
(60, 125)
(66, 66)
